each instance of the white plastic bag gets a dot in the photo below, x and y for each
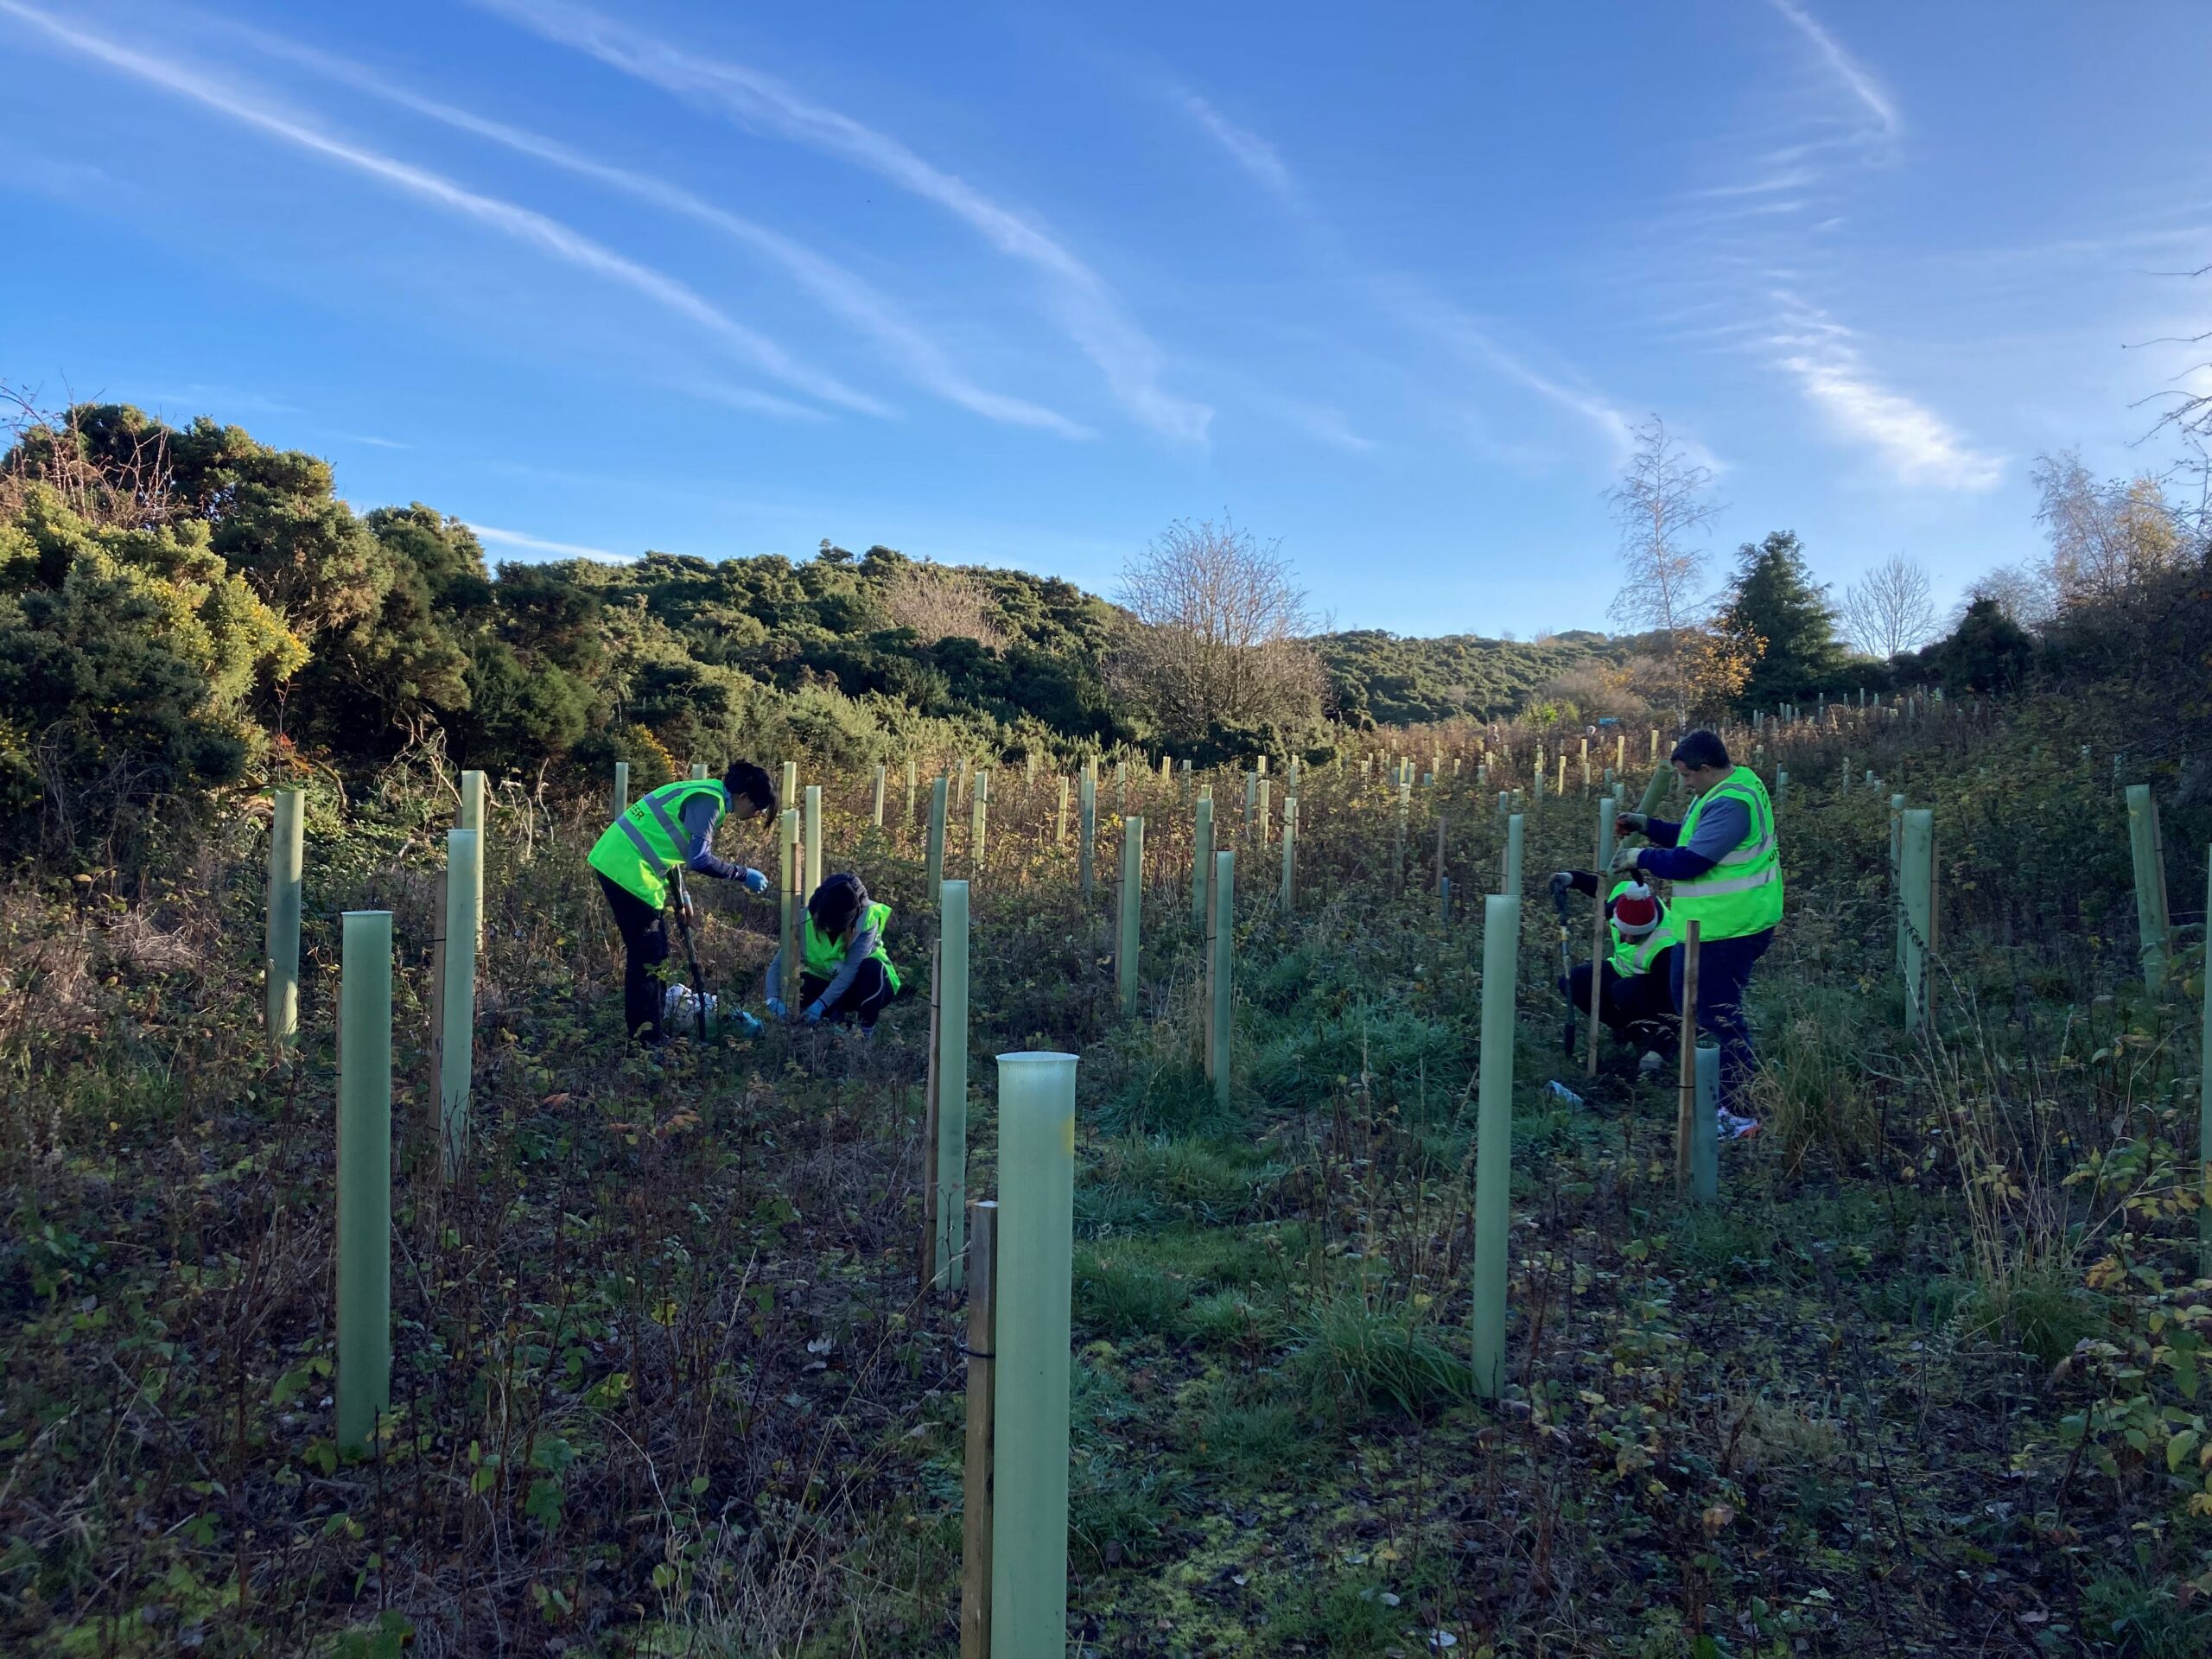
(679, 1010)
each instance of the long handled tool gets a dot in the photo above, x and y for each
(690, 955)
(1567, 969)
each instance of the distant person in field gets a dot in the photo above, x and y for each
(1725, 864)
(671, 829)
(1635, 999)
(844, 971)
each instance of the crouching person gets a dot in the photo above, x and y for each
(1635, 1002)
(844, 971)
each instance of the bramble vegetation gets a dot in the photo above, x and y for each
(1928, 1379)
(663, 1382)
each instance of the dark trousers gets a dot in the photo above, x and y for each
(1638, 1008)
(645, 945)
(1724, 968)
(864, 999)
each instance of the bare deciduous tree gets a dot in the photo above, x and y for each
(1217, 633)
(1891, 609)
(938, 603)
(2023, 592)
(2105, 537)
(1663, 504)
(115, 477)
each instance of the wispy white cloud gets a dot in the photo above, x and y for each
(1087, 306)
(751, 400)
(522, 224)
(374, 443)
(1790, 178)
(844, 295)
(1475, 344)
(1856, 78)
(1322, 422)
(515, 538)
(1416, 307)
(1921, 450)
(187, 402)
(1246, 148)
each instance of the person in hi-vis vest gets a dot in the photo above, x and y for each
(671, 829)
(1725, 864)
(1634, 999)
(844, 971)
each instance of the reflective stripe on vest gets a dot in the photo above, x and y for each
(640, 847)
(1634, 957)
(821, 957)
(1742, 893)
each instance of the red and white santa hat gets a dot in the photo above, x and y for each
(1635, 912)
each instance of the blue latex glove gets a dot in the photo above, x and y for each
(814, 1013)
(755, 881)
(776, 1007)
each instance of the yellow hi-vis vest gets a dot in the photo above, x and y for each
(644, 844)
(1634, 957)
(822, 955)
(1741, 894)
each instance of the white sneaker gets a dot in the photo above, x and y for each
(1734, 1128)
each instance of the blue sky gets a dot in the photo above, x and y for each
(1021, 285)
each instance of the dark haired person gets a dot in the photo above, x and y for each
(1634, 1000)
(844, 972)
(671, 828)
(1725, 865)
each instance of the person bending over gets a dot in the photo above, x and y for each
(670, 829)
(1634, 999)
(844, 971)
(1725, 864)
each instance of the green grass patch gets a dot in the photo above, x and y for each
(2042, 1311)
(1142, 1285)
(1141, 1183)
(1353, 1354)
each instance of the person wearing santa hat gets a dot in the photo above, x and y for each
(1634, 1000)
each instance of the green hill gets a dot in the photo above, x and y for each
(1392, 681)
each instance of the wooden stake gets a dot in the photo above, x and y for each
(976, 1476)
(1688, 1098)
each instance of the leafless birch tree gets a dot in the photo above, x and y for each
(1663, 503)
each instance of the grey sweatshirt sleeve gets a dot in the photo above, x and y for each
(1720, 830)
(699, 818)
(862, 947)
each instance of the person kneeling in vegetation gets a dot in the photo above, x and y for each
(1635, 1002)
(844, 971)
(670, 829)
(1724, 861)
